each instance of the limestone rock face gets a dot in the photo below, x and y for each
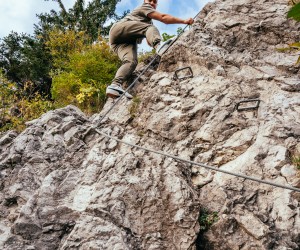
(65, 186)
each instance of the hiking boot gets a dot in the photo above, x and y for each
(115, 91)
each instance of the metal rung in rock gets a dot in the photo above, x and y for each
(186, 75)
(238, 108)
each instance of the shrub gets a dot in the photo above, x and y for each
(85, 76)
(65, 87)
(62, 44)
(206, 219)
(16, 108)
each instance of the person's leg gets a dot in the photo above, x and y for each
(122, 38)
(128, 55)
(130, 31)
(152, 35)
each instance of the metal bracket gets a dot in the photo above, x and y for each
(186, 76)
(248, 108)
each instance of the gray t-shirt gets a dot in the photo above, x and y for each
(140, 14)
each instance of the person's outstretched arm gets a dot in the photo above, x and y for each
(168, 19)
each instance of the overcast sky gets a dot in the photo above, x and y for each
(20, 15)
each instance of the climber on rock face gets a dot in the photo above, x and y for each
(128, 32)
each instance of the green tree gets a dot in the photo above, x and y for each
(90, 19)
(62, 44)
(24, 58)
(16, 108)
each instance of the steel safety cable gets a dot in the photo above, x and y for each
(198, 164)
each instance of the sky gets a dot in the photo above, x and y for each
(20, 15)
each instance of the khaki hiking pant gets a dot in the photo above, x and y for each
(123, 37)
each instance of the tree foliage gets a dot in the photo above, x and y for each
(24, 58)
(84, 77)
(61, 44)
(66, 50)
(166, 37)
(90, 18)
(294, 12)
(16, 108)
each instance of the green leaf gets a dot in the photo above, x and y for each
(294, 12)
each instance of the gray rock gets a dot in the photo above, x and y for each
(65, 186)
